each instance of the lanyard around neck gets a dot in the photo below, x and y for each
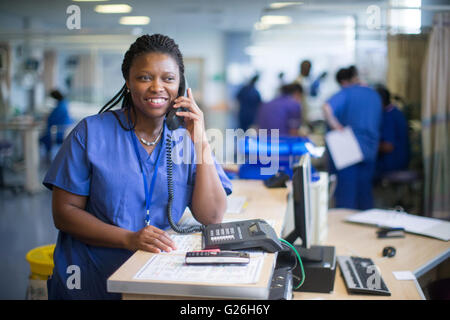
(148, 192)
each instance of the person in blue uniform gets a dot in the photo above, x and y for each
(110, 180)
(358, 107)
(59, 117)
(283, 112)
(249, 101)
(394, 143)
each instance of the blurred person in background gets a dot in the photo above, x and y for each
(249, 101)
(311, 89)
(360, 108)
(58, 117)
(393, 153)
(283, 112)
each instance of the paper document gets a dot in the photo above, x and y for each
(167, 267)
(235, 204)
(344, 148)
(404, 275)
(434, 228)
(187, 242)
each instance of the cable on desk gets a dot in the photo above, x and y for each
(299, 260)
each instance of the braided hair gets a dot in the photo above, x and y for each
(145, 44)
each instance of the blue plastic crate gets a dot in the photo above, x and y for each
(258, 152)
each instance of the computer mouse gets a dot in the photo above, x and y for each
(389, 252)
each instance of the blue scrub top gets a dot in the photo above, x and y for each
(394, 131)
(249, 101)
(60, 115)
(283, 113)
(98, 160)
(360, 108)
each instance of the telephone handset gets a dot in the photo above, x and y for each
(172, 120)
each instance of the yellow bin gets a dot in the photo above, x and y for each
(41, 262)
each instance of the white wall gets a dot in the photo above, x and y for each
(200, 44)
(209, 45)
(327, 46)
(105, 55)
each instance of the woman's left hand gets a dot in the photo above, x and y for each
(193, 118)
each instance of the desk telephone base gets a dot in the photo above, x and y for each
(238, 235)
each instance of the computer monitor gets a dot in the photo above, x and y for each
(302, 219)
(301, 197)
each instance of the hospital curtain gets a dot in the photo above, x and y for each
(435, 119)
(86, 78)
(405, 58)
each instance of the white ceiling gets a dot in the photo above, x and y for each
(49, 16)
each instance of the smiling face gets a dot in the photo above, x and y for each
(153, 81)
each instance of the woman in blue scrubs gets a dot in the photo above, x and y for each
(358, 107)
(111, 177)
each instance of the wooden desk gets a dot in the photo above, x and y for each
(414, 253)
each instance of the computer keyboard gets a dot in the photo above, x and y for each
(361, 275)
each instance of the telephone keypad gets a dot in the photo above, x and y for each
(222, 234)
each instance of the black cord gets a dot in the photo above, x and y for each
(302, 270)
(173, 225)
(291, 250)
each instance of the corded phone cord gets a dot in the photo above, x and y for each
(173, 225)
(302, 269)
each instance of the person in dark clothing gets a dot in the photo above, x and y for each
(393, 152)
(249, 100)
(283, 112)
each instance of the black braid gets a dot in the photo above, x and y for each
(144, 44)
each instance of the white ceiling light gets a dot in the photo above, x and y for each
(112, 8)
(260, 26)
(276, 20)
(134, 20)
(407, 19)
(279, 5)
(89, 0)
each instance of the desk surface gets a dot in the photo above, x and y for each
(30, 129)
(414, 253)
(22, 125)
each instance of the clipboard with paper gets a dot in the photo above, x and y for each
(344, 148)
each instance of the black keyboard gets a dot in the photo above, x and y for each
(361, 275)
